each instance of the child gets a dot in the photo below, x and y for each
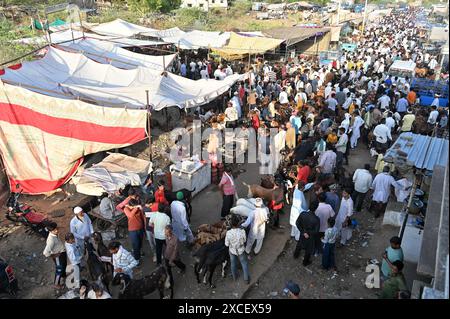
(329, 242)
(74, 255)
(55, 249)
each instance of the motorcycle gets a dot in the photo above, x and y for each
(8, 281)
(25, 214)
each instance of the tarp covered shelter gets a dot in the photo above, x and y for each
(197, 39)
(43, 139)
(239, 46)
(68, 35)
(111, 53)
(293, 35)
(120, 28)
(72, 75)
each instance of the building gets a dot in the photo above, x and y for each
(205, 5)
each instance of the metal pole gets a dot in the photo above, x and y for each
(149, 123)
(81, 23)
(164, 62)
(364, 19)
(339, 12)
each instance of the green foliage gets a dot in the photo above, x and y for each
(8, 48)
(147, 6)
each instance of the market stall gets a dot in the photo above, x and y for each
(190, 174)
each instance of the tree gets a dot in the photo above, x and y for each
(146, 6)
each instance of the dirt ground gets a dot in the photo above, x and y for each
(269, 271)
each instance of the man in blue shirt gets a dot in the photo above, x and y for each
(183, 70)
(402, 106)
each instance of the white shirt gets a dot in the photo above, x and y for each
(390, 123)
(73, 253)
(433, 117)
(382, 133)
(235, 241)
(193, 66)
(363, 180)
(219, 74)
(283, 97)
(384, 101)
(382, 187)
(123, 259)
(81, 229)
(159, 221)
(204, 74)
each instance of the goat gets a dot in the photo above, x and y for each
(138, 288)
(266, 194)
(208, 257)
(95, 266)
(102, 251)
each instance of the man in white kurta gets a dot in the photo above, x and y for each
(257, 221)
(299, 205)
(180, 224)
(81, 227)
(345, 211)
(381, 186)
(237, 104)
(356, 127)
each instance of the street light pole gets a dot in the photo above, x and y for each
(364, 19)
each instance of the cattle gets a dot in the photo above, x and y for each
(95, 266)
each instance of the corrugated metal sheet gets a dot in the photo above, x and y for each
(293, 35)
(420, 151)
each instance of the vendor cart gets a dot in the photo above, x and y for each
(119, 223)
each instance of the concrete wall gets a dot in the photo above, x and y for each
(205, 4)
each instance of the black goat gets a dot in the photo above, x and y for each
(208, 257)
(102, 251)
(138, 288)
(95, 266)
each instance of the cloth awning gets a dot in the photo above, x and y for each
(43, 139)
(241, 46)
(68, 35)
(74, 76)
(293, 35)
(197, 39)
(111, 53)
(120, 28)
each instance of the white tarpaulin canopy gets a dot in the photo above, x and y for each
(198, 39)
(120, 28)
(65, 36)
(111, 174)
(110, 53)
(73, 75)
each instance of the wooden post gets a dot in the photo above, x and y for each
(81, 23)
(149, 123)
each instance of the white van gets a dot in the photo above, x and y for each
(403, 69)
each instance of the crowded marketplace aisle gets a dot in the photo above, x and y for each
(315, 204)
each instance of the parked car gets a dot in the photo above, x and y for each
(8, 281)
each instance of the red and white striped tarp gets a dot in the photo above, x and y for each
(43, 139)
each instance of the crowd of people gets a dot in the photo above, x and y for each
(322, 114)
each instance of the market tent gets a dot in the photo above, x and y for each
(68, 35)
(241, 46)
(111, 53)
(72, 75)
(198, 39)
(43, 139)
(293, 35)
(120, 28)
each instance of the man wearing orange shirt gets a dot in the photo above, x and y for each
(160, 198)
(303, 171)
(411, 97)
(136, 226)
